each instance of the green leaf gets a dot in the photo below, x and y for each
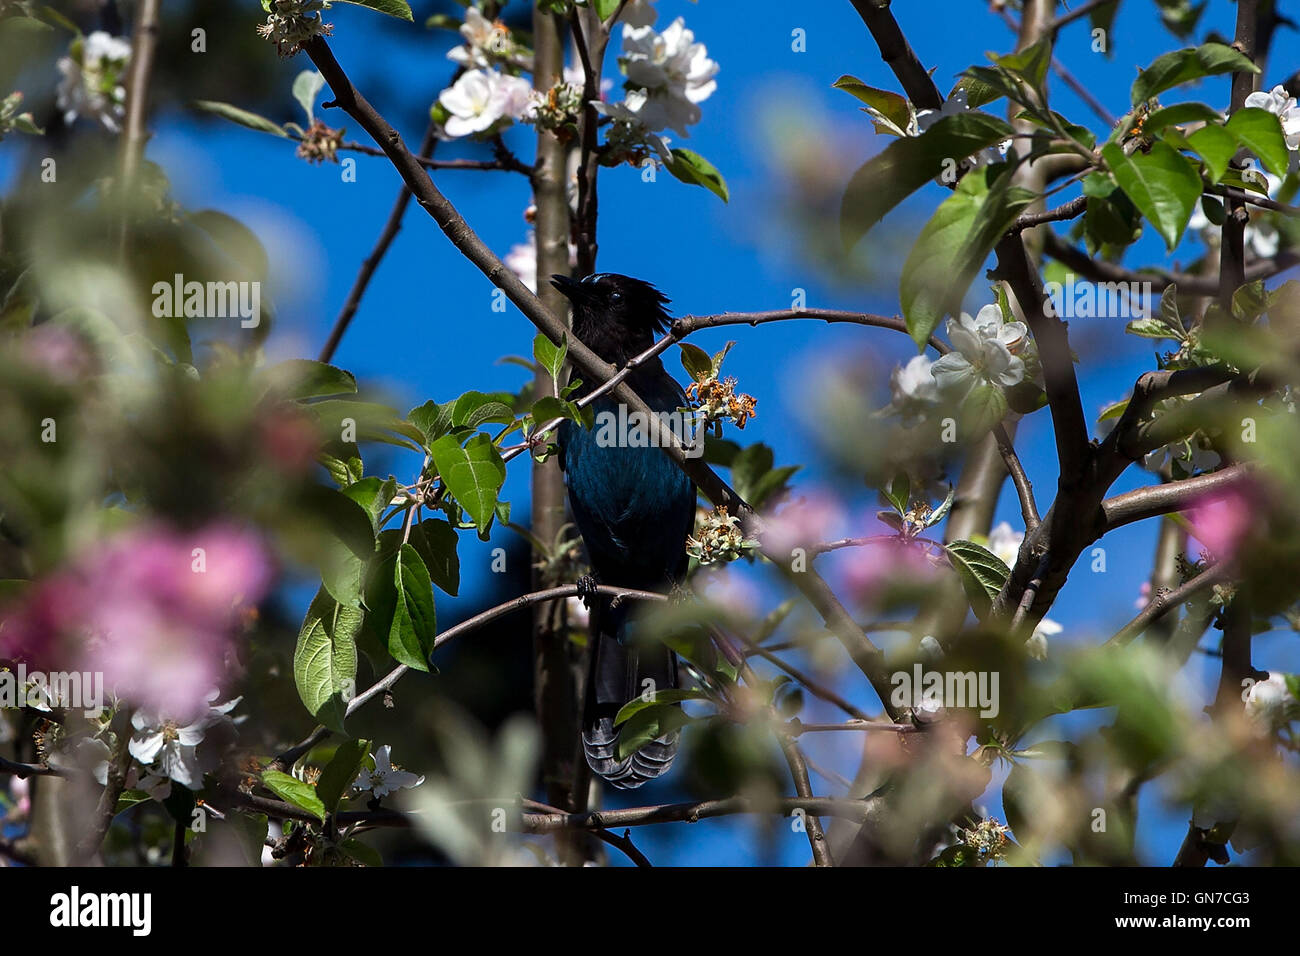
(1261, 133)
(896, 109)
(292, 790)
(348, 542)
(649, 724)
(1183, 66)
(690, 167)
(433, 420)
(374, 495)
(983, 407)
(473, 474)
(242, 117)
(250, 833)
(394, 8)
(754, 477)
(325, 659)
(546, 409)
(372, 421)
(343, 472)
(479, 408)
(605, 8)
(401, 595)
(340, 773)
(1169, 313)
(953, 246)
(131, 798)
(1163, 184)
(1030, 64)
(1113, 411)
(1178, 114)
(1181, 16)
(235, 240)
(1216, 146)
(306, 86)
(639, 704)
(908, 164)
(696, 361)
(982, 573)
(363, 853)
(941, 512)
(435, 541)
(1149, 329)
(898, 491)
(302, 379)
(549, 355)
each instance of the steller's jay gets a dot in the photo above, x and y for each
(634, 509)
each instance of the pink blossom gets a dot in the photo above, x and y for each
(810, 520)
(58, 352)
(155, 610)
(886, 564)
(1221, 521)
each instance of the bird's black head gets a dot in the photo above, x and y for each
(616, 315)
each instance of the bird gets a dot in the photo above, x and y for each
(634, 509)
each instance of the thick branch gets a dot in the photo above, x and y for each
(1155, 500)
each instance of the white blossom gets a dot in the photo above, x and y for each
(673, 73)
(487, 42)
(384, 780)
(1036, 646)
(914, 388)
(631, 132)
(954, 106)
(522, 261)
(1282, 105)
(291, 23)
(92, 80)
(1270, 704)
(171, 749)
(983, 350)
(1004, 541)
(482, 98)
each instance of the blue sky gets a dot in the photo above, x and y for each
(427, 330)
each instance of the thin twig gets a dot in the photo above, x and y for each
(1161, 604)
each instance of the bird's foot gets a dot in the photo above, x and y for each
(679, 593)
(587, 585)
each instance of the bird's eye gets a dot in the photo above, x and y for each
(616, 297)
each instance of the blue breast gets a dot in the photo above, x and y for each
(633, 506)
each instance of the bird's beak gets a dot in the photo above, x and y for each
(571, 289)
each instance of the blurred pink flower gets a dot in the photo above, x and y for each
(58, 352)
(155, 610)
(882, 565)
(1221, 521)
(810, 520)
(289, 439)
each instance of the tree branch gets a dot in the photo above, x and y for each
(1155, 500)
(821, 849)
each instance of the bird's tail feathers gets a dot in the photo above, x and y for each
(619, 671)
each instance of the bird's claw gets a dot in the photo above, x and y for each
(587, 585)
